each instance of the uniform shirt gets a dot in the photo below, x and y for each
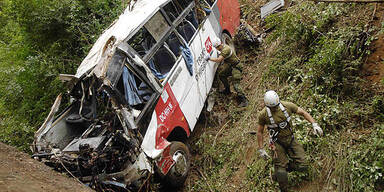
(226, 52)
(278, 117)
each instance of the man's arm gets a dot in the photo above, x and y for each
(217, 60)
(305, 114)
(260, 136)
(316, 128)
(260, 141)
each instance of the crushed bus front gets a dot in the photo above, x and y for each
(94, 138)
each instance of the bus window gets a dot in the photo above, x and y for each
(115, 67)
(171, 11)
(191, 17)
(157, 26)
(183, 3)
(210, 2)
(162, 62)
(174, 44)
(136, 92)
(186, 30)
(142, 42)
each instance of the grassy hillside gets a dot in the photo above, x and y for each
(324, 57)
(313, 56)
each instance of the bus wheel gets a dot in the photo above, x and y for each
(226, 39)
(177, 175)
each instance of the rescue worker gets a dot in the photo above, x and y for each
(276, 116)
(231, 66)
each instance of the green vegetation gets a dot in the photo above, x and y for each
(40, 39)
(313, 56)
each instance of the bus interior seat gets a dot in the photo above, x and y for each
(186, 30)
(145, 92)
(174, 44)
(191, 17)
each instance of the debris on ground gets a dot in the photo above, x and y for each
(271, 7)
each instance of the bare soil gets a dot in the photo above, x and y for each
(20, 173)
(373, 69)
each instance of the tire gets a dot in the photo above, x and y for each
(177, 175)
(226, 39)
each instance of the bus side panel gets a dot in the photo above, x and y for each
(203, 72)
(207, 34)
(184, 86)
(192, 106)
(229, 15)
(181, 81)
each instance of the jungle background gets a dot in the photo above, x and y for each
(326, 57)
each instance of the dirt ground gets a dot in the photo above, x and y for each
(373, 69)
(20, 173)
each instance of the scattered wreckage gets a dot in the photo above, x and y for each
(137, 96)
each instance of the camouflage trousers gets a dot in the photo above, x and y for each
(224, 71)
(281, 160)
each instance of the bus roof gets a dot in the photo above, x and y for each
(133, 16)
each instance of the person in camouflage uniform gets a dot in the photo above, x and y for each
(276, 116)
(231, 66)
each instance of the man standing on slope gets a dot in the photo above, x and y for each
(276, 116)
(229, 67)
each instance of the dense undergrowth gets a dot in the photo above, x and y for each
(313, 56)
(40, 39)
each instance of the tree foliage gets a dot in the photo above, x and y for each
(41, 39)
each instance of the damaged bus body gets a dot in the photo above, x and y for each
(137, 95)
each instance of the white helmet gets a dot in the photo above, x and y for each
(271, 99)
(216, 42)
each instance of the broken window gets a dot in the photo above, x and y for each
(210, 2)
(142, 42)
(162, 62)
(174, 44)
(136, 91)
(171, 11)
(115, 67)
(157, 26)
(182, 4)
(191, 17)
(186, 30)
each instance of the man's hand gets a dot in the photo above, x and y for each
(207, 56)
(264, 154)
(317, 130)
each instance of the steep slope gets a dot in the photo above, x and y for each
(374, 65)
(313, 56)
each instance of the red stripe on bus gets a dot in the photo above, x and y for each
(169, 116)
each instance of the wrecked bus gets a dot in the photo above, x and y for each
(137, 95)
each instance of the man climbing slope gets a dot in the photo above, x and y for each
(229, 67)
(276, 116)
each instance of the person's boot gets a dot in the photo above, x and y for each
(243, 101)
(282, 178)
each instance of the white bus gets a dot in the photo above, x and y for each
(137, 95)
